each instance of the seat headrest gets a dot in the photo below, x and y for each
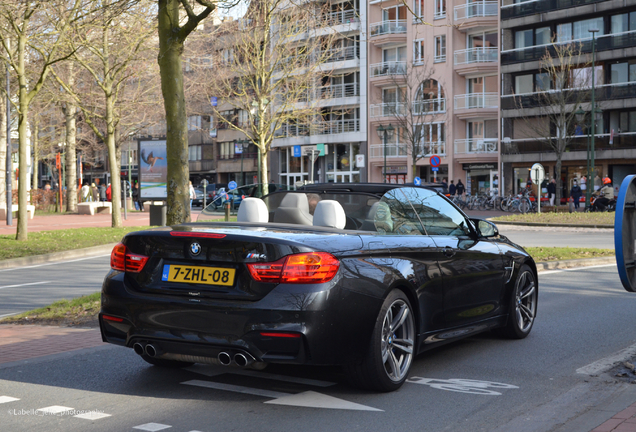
(253, 210)
(329, 213)
(296, 200)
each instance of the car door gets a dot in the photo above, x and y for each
(472, 267)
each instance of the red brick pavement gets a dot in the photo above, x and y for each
(23, 342)
(624, 421)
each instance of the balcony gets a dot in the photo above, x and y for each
(387, 69)
(393, 150)
(339, 54)
(432, 106)
(623, 142)
(390, 109)
(476, 146)
(387, 27)
(604, 92)
(603, 43)
(341, 17)
(337, 127)
(476, 60)
(474, 15)
(337, 91)
(509, 11)
(476, 100)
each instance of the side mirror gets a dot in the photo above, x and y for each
(486, 228)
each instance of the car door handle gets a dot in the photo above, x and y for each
(449, 251)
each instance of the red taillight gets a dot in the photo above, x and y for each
(280, 334)
(314, 267)
(122, 260)
(112, 318)
(196, 234)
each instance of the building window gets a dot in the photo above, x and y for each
(418, 51)
(440, 9)
(579, 29)
(394, 14)
(418, 9)
(523, 39)
(523, 84)
(226, 150)
(194, 123)
(243, 118)
(440, 48)
(194, 153)
(623, 22)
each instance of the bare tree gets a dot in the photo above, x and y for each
(562, 87)
(417, 104)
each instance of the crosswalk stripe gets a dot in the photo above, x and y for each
(55, 409)
(152, 427)
(237, 389)
(5, 399)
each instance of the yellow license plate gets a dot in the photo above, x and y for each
(198, 275)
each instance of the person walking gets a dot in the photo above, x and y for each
(452, 189)
(94, 192)
(193, 194)
(102, 193)
(552, 191)
(109, 193)
(460, 188)
(135, 196)
(86, 193)
(576, 193)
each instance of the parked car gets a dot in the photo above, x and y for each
(367, 282)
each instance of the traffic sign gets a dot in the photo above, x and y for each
(435, 161)
(417, 181)
(231, 185)
(537, 173)
(434, 168)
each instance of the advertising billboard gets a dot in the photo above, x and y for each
(153, 170)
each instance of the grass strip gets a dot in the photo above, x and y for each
(579, 219)
(541, 254)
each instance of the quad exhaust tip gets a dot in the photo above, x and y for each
(138, 348)
(224, 358)
(241, 360)
(151, 351)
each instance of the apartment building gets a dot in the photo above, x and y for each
(440, 64)
(529, 31)
(338, 134)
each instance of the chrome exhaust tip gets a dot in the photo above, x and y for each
(243, 360)
(151, 351)
(138, 348)
(224, 358)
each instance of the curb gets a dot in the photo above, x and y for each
(538, 224)
(57, 256)
(566, 264)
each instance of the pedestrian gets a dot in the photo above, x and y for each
(576, 193)
(102, 193)
(192, 193)
(445, 183)
(135, 196)
(460, 188)
(109, 193)
(47, 187)
(552, 191)
(94, 192)
(452, 188)
(86, 195)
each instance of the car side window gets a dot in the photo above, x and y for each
(438, 216)
(395, 215)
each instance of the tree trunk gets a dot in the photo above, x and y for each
(3, 143)
(169, 59)
(113, 163)
(557, 176)
(70, 112)
(36, 154)
(23, 103)
(264, 173)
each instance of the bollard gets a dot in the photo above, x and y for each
(227, 211)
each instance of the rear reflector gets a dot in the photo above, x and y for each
(307, 268)
(112, 318)
(280, 335)
(122, 260)
(196, 234)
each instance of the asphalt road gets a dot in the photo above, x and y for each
(529, 385)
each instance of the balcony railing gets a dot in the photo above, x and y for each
(602, 92)
(388, 27)
(476, 55)
(337, 126)
(341, 17)
(290, 131)
(626, 140)
(430, 148)
(603, 43)
(387, 69)
(476, 9)
(476, 145)
(387, 109)
(393, 150)
(237, 156)
(338, 91)
(538, 6)
(429, 106)
(340, 54)
(477, 100)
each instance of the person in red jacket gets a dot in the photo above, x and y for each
(108, 192)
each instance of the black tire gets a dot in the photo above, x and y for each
(378, 370)
(522, 305)
(175, 364)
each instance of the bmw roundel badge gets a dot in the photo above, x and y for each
(195, 248)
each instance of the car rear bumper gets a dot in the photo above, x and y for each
(292, 324)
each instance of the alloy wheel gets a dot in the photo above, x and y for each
(398, 336)
(525, 301)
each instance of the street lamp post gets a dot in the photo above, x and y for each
(386, 133)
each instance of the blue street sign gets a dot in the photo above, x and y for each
(231, 185)
(624, 234)
(213, 100)
(435, 161)
(297, 152)
(417, 181)
(434, 168)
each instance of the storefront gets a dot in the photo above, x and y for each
(481, 178)
(395, 174)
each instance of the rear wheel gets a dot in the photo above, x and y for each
(523, 305)
(391, 351)
(165, 363)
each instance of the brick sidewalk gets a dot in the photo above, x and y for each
(24, 342)
(624, 421)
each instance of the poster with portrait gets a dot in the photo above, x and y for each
(153, 170)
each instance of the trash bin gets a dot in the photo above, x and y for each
(158, 215)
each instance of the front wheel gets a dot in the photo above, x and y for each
(392, 347)
(523, 305)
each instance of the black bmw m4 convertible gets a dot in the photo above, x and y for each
(362, 277)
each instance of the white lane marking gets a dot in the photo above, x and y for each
(92, 415)
(5, 399)
(205, 370)
(55, 409)
(54, 263)
(463, 385)
(307, 399)
(310, 399)
(26, 284)
(542, 273)
(609, 362)
(152, 427)
(9, 314)
(236, 389)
